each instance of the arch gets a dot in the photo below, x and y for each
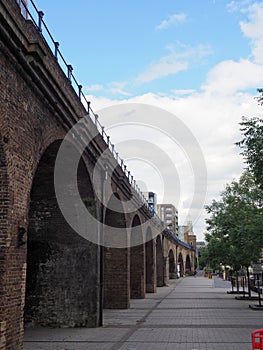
(172, 270)
(150, 262)
(181, 264)
(137, 261)
(188, 268)
(62, 286)
(159, 262)
(116, 260)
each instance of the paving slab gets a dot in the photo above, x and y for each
(193, 313)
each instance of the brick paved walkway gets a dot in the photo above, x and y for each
(194, 313)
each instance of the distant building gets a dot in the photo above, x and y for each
(151, 198)
(186, 234)
(200, 244)
(169, 216)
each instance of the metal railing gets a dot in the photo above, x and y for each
(31, 12)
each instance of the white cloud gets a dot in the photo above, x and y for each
(171, 20)
(93, 88)
(173, 63)
(168, 65)
(240, 5)
(214, 113)
(230, 76)
(183, 92)
(117, 88)
(252, 29)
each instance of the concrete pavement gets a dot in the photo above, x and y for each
(193, 313)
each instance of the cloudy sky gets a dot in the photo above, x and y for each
(201, 60)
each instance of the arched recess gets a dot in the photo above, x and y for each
(137, 260)
(150, 263)
(188, 268)
(116, 260)
(181, 264)
(159, 262)
(172, 270)
(62, 286)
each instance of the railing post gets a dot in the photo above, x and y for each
(80, 91)
(108, 140)
(96, 119)
(88, 105)
(56, 43)
(70, 70)
(40, 18)
(102, 131)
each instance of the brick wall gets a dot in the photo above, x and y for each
(4, 203)
(116, 260)
(137, 261)
(29, 123)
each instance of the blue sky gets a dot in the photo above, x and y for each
(117, 45)
(200, 60)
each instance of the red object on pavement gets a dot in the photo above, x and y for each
(257, 339)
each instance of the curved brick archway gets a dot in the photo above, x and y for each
(116, 260)
(62, 267)
(159, 262)
(172, 268)
(150, 262)
(137, 261)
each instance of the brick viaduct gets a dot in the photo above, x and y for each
(49, 274)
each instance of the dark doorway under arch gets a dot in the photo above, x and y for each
(62, 285)
(188, 268)
(172, 269)
(159, 262)
(150, 263)
(181, 265)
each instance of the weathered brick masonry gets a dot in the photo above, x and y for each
(37, 107)
(50, 275)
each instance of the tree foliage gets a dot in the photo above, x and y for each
(235, 225)
(252, 146)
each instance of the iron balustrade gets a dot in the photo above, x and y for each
(30, 12)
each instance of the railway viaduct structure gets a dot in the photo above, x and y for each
(50, 274)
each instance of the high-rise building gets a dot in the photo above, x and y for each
(169, 215)
(151, 198)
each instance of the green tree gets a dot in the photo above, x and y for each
(252, 145)
(235, 224)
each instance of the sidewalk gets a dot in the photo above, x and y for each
(194, 313)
